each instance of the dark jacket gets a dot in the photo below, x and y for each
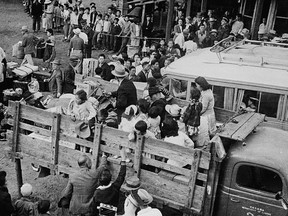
(93, 18)
(192, 114)
(160, 104)
(81, 188)
(25, 207)
(29, 42)
(126, 95)
(141, 77)
(36, 10)
(223, 32)
(68, 77)
(147, 28)
(156, 73)
(110, 195)
(5, 202)
(106, 72)
(115, 29)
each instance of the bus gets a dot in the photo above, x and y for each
(238, 72)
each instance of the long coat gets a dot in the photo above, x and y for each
(81, 187)
(5, 202)
(55, 82)
(126, 95)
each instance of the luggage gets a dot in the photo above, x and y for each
(18, 51)
(89, 66)
(25, 70)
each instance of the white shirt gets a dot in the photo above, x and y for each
(189, 46)
(84, 37)
(86, 17)
(74, 19)
(149, 212)
(182, 140)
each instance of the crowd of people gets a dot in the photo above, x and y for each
(153, 115)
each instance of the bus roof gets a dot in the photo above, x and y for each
(206, 63)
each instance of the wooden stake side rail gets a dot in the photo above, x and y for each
(49, 140)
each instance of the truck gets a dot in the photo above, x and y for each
(238, 173)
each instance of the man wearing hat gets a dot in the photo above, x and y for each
(223, 30)
(81, 187)
(141, 198)
(76, 46)
(6, 206)
(55, 80)
(126, 94)
(29, 42)
(68, 76)
(25, 206)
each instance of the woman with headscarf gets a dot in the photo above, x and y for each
(207, 100)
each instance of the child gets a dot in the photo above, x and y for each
(98, 28)
(106, 31)
(143, 107)
(154, 121)
(86, 15)
(191, 116)
(25, 206)
(141, 129)
(128, 119)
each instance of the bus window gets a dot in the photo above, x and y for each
(269, 104)
(179, 88)
(218, 92)
(250, 101)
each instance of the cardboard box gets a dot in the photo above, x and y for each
(86, 87)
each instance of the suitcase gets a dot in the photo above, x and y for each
(89, 66)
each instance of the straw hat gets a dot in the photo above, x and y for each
(131, 183)
(26, 189)
(119, 71)
(83, 130)
(174, 110)
(77, 31)
(24, 28)
(142, 197)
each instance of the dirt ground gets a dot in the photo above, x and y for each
(12, 18)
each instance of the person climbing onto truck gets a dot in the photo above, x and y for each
(108, 192)
(81, 186)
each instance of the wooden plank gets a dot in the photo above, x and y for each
(36, 148)
(96, 143)
(55, 140)
(193, 177)
(67, 125)
(112, 135)
(68, 157)
(164, 166)
(162, 187)
(138, 154)
(231, 127)
(205, 160)
(32, 114)
(35, 129)
(198, 199)
(82, 142)
(248, 127)
(15, 147)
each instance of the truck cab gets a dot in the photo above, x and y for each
(252, 173)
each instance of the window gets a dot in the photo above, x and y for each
(179, 88)
(258, 178)
(281, 20)
(218, 93)
(269, 104)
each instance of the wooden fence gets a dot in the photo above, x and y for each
(45, 136)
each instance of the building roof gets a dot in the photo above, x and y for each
(206, 63)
